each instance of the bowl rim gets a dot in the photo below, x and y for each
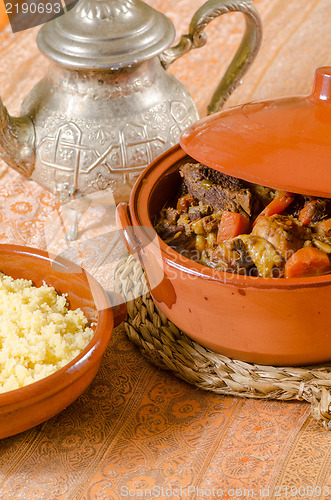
(140, 198)
(73, 370)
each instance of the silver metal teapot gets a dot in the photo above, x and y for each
(107, 107)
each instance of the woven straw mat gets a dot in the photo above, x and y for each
(166, 346)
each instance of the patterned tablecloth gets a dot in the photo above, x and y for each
(137, 427)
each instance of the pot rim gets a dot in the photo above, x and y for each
(140, 198)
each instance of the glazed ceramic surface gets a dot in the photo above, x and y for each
(281, 143)
(259, 320)
(24, 408)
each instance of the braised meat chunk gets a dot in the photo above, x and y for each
(246, 254)
(265, 256)
(218, 190)
(230, 256)
(284, 232)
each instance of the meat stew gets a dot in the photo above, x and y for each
(239, 227)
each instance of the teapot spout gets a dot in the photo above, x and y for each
(17, 141)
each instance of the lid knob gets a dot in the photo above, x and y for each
(322, 84)
(106, 34)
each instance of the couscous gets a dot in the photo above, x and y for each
(38, 332)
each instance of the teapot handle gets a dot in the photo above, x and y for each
(196, 38)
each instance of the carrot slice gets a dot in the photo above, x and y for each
(307, 261)
(307, 212)
(232, 224)
(276, 206)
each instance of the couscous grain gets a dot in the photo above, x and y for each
(38, 332)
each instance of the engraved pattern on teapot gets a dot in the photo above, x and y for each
(86, 155)
(71, 86)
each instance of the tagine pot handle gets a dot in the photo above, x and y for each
(197, 38)
(119, 308)
(123, 221)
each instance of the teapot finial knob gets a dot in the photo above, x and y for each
(103, 9)
(106, 34)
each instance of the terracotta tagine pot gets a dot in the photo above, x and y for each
(284, 144)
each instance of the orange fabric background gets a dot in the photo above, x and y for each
(136, 426)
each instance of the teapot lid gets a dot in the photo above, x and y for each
(283, 143)
(102, 34)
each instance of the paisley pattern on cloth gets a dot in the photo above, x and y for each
(137, 427)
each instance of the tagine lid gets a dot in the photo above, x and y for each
(282, 143)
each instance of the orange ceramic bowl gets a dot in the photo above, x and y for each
(259, 320)
(28, 406)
